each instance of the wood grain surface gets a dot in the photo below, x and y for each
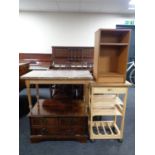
(58, 74)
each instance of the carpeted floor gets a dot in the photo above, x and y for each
(99, 147)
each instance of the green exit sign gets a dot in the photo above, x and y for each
(129, 22)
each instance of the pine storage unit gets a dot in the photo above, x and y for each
(108, 102)
(111, 55)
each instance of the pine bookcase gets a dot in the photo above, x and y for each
(111, 55)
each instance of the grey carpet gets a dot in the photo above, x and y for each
(99, 147)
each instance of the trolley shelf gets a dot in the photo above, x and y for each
(105, 130)
(101, 100)
(106, 111)
(106, 105)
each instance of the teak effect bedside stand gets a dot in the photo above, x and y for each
(55, 119)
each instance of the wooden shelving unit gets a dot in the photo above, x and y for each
(110, 55)
(107, 101)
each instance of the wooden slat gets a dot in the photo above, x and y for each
(110, 129)
(116, 127)
(120, 108)
(101, 101)
(97, 128)
(105, 112)
(106, 136)
(104, 128)
(104, 124)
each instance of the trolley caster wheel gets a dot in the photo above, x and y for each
(92, 140)
(120, 140)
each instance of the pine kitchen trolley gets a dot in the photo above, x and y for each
(109, 102)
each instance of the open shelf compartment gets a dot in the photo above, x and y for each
(114, 36)
(106, 105)
(107, 111)
(112, 63)
(101, 100)
(111, 55)
(105, 130)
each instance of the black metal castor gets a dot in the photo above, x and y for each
(92, 140)
(120, 140)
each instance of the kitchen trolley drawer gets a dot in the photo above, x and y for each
(108, 90)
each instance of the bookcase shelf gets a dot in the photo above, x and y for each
(114, 44)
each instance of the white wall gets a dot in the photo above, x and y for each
(41, 30)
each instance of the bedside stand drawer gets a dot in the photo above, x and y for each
(36, 121)
(71, 121)
(44, 131)
(44, 121)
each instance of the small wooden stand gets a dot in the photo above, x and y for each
(107, 101)
(58, 119)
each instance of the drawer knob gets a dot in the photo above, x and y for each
(109, 89)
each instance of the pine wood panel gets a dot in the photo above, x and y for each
(58, 74)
